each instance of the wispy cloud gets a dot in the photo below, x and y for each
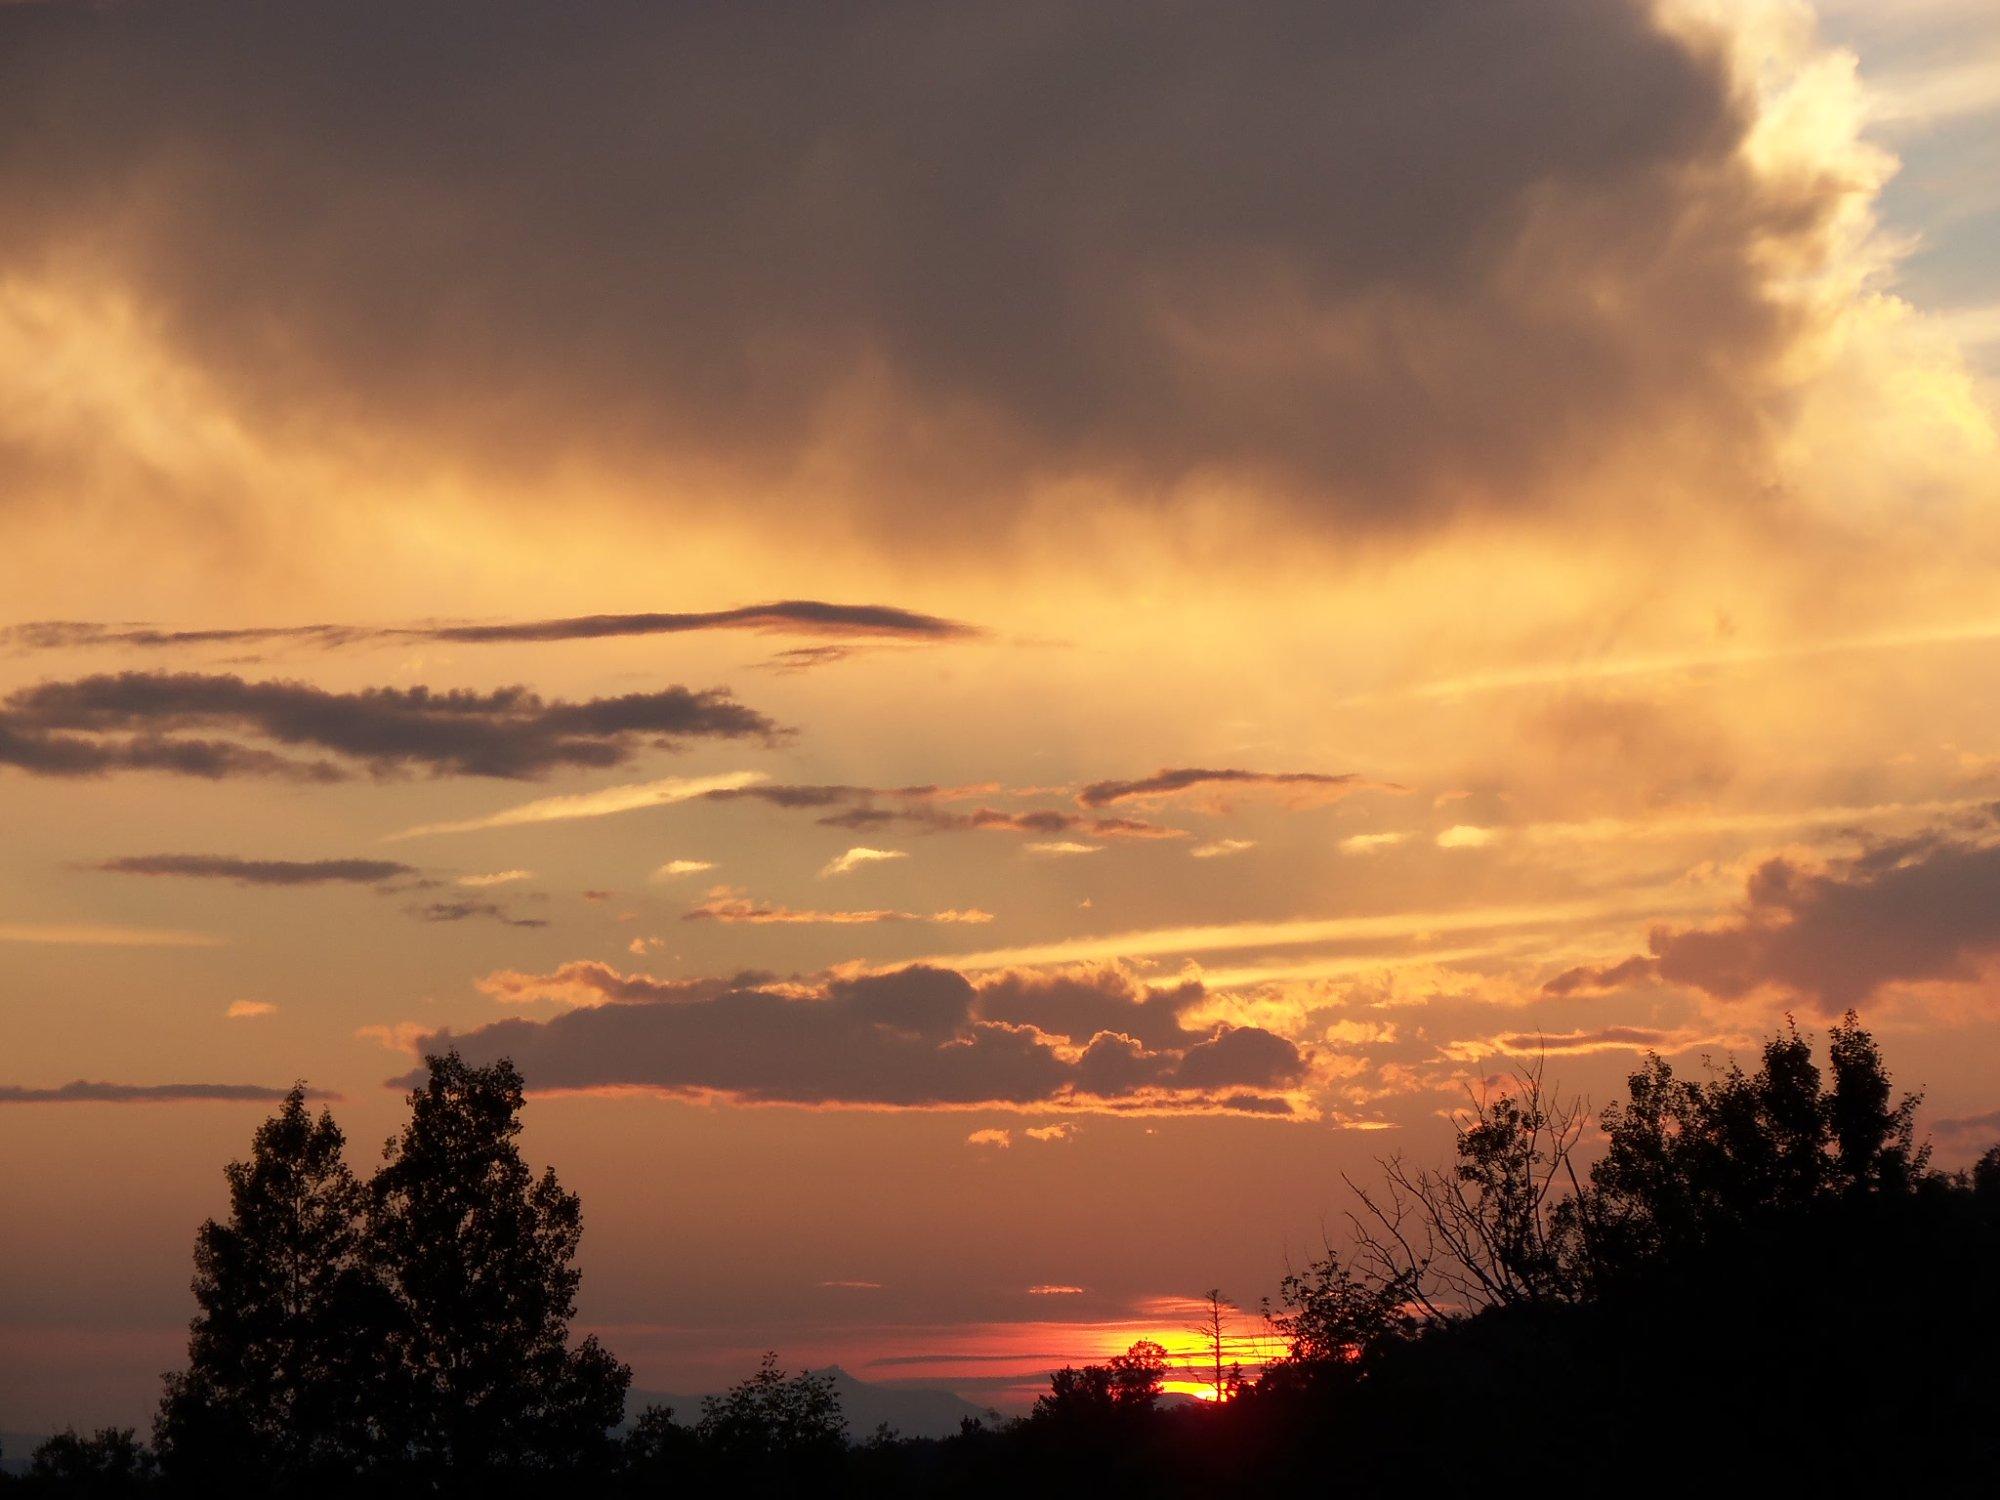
(727, 904)
(1233, 936)
(465, 911)
(1301, 786)
(89, 935)
(498, 877)
(858, 856)
(274, 872)
(1221, 848)
(84, 1092)
(249, 1010)
(1368, 843)
(674, 869)
(808, 617)
(1466, 836)
(599, 804)
(1664, 663)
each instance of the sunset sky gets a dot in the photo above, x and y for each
(994, 642)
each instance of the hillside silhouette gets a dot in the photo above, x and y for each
(1758, 1283)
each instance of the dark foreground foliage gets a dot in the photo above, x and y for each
(1759, 1286)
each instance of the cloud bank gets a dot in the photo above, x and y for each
(153, 721)
(1387, 262)
(1832, 936)
(919, 1038)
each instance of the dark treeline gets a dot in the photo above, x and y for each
(1759, 1282)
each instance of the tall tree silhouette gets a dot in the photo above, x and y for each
(1212, 1328)
(283, 1364)
(480, 1253)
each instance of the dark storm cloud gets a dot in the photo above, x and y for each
(1387, 258)
(81, 1092)
(920, 1038)
(809, 617)
(1172, 783)
(280, 872)
(148, 721)
(1924, 908)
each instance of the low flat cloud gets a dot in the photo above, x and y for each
(673, 869)
(84, 1092)
(809, 617)
(104, 935)
(1959, 1130)
(467, 911)
(196, 724)
(855, 858)
(603, 803)
(917, 1038)
(1222, 848)
(276, 872)
(1580, 1043)
(728, 904)
(497, 877)
(926, 809)
(1303, 787)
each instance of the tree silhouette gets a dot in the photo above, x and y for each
(1128, 1386)
(283, 1355)
(1334, 1316)
(109, 1463)
(479, 1254)
(1212, 1328)
(1688, 1163)
(775, 1416)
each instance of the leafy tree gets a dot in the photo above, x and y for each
(282, 1355)
(773, 1415)
(1874, 1140)
(479, 1254)
(1688, 1163)
(1127, 1386)
(658, 1452)
(1333, 1316)
(109, 1463)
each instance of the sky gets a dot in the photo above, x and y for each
(996, 644)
